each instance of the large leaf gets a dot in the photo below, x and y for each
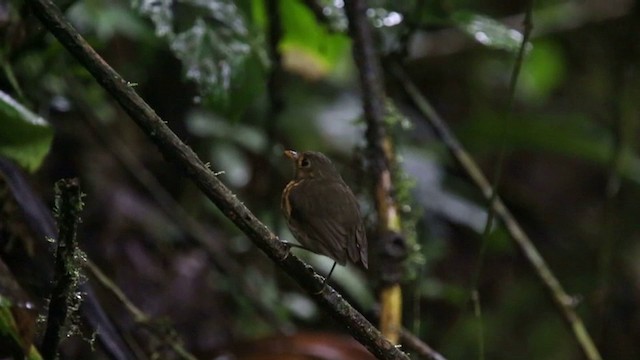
(218, 46)
(210, 37)
(24, 136)
(309, 48)
(488, 32)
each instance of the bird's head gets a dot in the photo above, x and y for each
(311, 164)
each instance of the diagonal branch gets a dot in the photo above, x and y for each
(414, 343)
(563, 301)
(188, 162)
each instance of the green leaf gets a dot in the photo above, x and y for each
(488, 32)
(10, 337)
(25, 136)
(543, 71)
(308, 48)
(211, 38)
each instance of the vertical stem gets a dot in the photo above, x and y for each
(373, 96)
(274, 82)
(380, 153)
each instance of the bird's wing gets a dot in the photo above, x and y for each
(330, 217)
(357, 249)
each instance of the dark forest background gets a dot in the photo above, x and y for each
(561, 147)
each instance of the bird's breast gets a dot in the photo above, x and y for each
(285, 202)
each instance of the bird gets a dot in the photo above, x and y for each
(322, 212)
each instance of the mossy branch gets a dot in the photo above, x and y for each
(68, 205)
(380, 155)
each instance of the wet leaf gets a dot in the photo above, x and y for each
(25, 136)
(488, 32)
(211, 38)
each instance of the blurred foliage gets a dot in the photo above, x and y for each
(15, 331)
(27, 137)
(543, 72)
(570, 135)
(488, 32)
(571, 167)
(309, 48)
(17, 319)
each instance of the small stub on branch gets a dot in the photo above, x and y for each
(392, 251)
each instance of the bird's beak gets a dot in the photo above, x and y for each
(291, 154)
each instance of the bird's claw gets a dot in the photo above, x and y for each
(288, 245)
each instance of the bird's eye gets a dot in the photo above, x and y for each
(305, 163)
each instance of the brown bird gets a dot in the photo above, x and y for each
(322, 212)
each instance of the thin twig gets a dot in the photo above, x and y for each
(563, 301)
(491, 214)
(562, 17)
(477, 312)
(275, 78)
(188, 162)
(528, 27)
(275, 107)
(138, 315)
(414, 343)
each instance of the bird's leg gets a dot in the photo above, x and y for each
(330, 272)
(324, 283)
(293, 245)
